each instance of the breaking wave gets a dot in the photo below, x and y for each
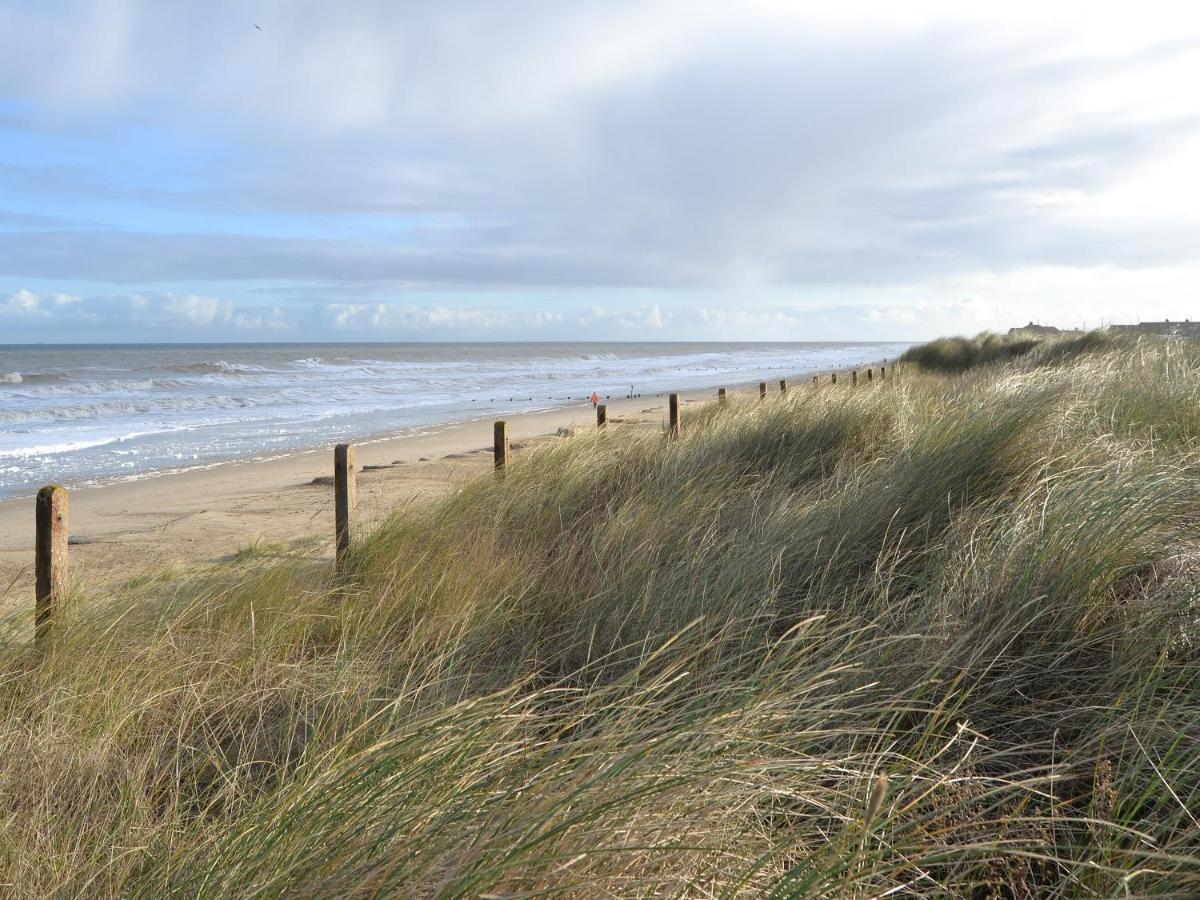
(32, 377)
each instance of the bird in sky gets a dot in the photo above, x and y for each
(259, 27)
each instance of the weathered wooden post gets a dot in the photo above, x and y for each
(500, 445)
(345, 500)
(869, 370)
(762, 390)
(783, 385)
(674, 405)
(49, 558)
(854, 378)
(833, 378)
(882, 373)
(721, 395)
(601, 415)
(816, 380)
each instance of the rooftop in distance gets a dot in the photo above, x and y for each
(1186, 328)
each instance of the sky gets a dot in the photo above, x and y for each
(509, 170)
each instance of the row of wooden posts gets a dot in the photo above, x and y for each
(51, 530)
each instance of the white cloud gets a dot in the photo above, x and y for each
(271, 319)
(966, 304)
(166, 311)
(416, 319)
(637, 319)
(22, 303)
(193, 310)
(26, 304)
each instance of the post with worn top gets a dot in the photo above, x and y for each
(882, 372)
(833, 378)
(762, 390)
(869, 371)
(721, 395)
(601, 415)
(854, 378)
(674, 406)
(816, 380)
(500, 446)
(49, 558)
(783, 385)
(345, 500)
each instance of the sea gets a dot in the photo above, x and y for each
(89, 414)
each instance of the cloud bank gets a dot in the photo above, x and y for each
(414, 169)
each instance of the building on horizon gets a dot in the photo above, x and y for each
(1186, 328)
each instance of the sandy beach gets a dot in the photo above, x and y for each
(203, 516)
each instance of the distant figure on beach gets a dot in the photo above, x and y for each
(595, 399)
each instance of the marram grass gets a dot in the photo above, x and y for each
(935, 636)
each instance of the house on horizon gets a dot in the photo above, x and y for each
(1186, 328)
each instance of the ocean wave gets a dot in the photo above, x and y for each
(32, 377)
(124, 408)
(217, 367)
(51, 449)
(63, 387)
(312, 362)
(342, 365)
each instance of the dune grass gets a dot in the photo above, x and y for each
(958, 354)
(934, 636)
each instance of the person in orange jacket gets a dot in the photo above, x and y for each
(595, 399)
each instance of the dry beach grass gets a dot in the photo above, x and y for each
(935, 636)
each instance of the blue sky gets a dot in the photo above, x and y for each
(528, 170)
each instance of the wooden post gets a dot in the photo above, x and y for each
(674, 432)
(49, 558)
(345, 499)
(882, 372)
(500, 445)
(721, 395)
(869, 374)
(854, 378)
(601, 415)
(762, 390)
(783, 385)
(833, 378)
(816, 380)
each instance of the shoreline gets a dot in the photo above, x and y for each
(206, 514)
